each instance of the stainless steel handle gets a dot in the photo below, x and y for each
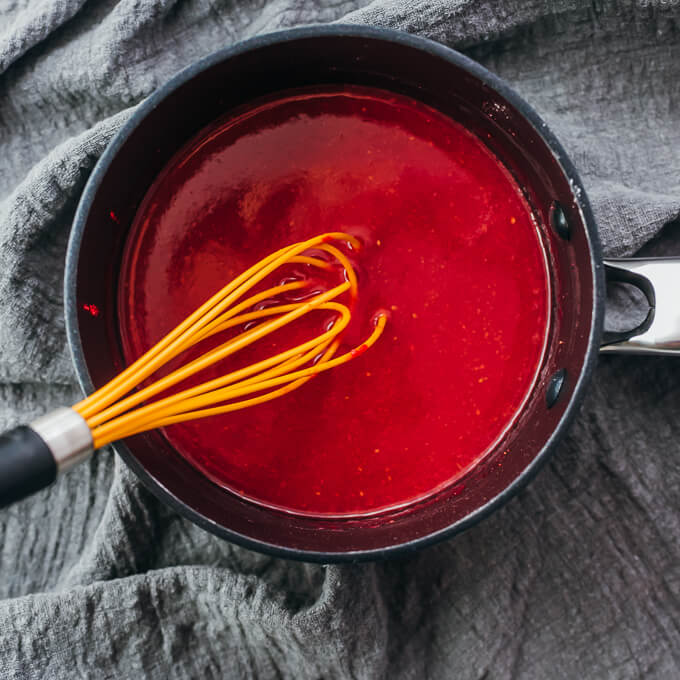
(659, 279)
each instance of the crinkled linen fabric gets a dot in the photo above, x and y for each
(577, 577)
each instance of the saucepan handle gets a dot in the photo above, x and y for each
(659, 279)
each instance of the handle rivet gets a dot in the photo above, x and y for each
(558, 221)
(555, 387)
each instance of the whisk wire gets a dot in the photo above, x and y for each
(219, 353)
(171, 345)
(111, 415)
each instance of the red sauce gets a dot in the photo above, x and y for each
(451, 249)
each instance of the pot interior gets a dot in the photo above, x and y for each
(307, 58)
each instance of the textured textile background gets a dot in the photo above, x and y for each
(578, 577)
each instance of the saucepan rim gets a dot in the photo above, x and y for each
(487, 78)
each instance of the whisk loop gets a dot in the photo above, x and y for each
(116, 411)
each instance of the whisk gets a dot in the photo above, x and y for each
(32, 455)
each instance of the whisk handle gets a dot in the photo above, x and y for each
(32, 455)
(26, 464)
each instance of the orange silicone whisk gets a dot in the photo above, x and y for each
(32, 455)
(119, 410)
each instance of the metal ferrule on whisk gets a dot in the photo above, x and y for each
(67, 436)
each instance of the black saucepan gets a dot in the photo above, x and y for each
(471, 95)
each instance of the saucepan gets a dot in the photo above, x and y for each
(460, 88)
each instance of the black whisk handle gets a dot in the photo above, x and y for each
(26, 464)
(31, 456)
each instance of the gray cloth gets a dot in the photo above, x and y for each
(577, 577)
